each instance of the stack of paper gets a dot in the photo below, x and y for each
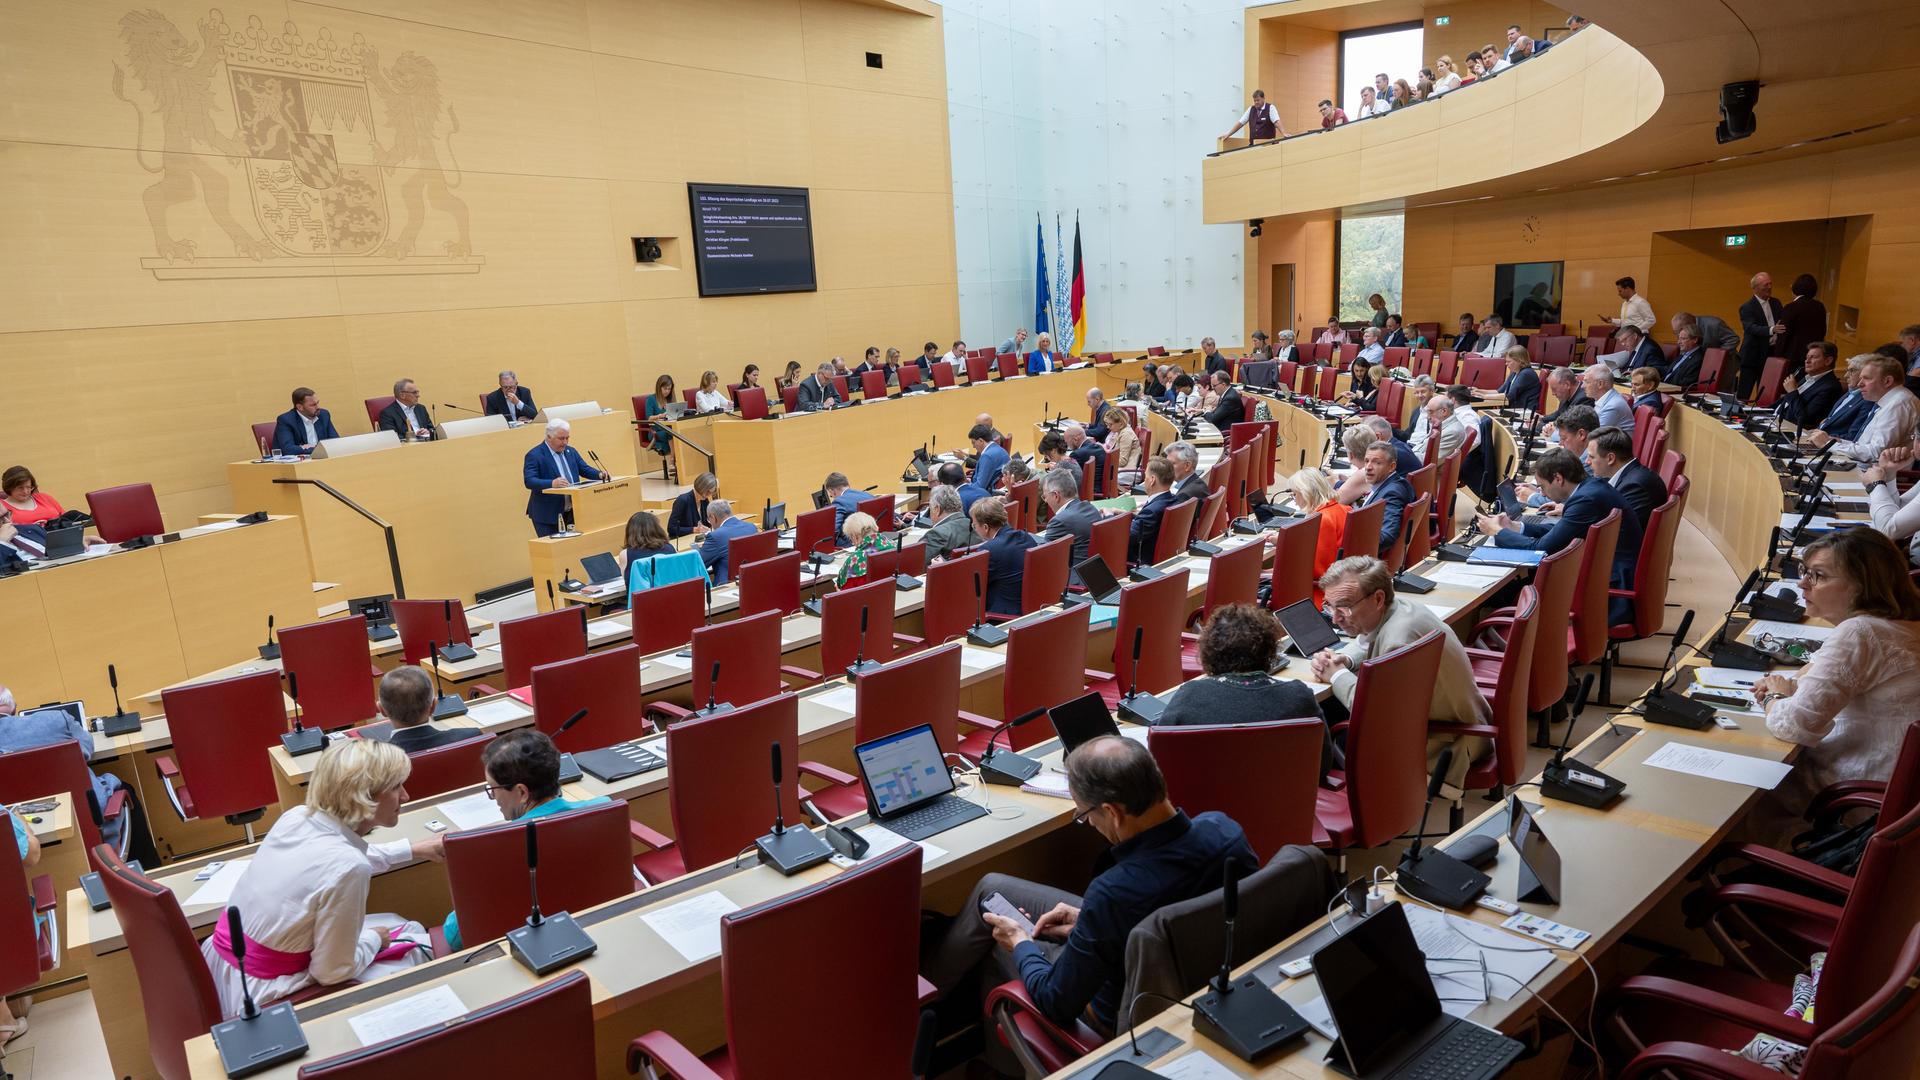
(218, 889)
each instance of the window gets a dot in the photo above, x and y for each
(1527, 295)
(1393, 50)
(1370, 253)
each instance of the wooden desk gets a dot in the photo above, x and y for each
(157, 613)
(50, 826)
(605, 505)
(457, 507)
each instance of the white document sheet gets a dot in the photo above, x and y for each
(839, 699)
(1719, 765)
(218, 889)
(1194, 1065)
(474, 811)
(600, 631)
(1725, 678)
(1789, 630)
(972, 659)
(1453, 947)
(672, 662)
(497, 711)
(692, 926)
(1049, 783)
(407, 1015)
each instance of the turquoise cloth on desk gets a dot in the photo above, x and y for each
(1102, 614)
(451, 927)
(665, 570)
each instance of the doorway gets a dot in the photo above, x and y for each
(1281, 317)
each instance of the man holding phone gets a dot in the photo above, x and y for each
(1072, 955)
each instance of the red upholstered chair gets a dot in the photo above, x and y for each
(585, 859)
(978, 368)
(943, 374)
(221, 733)
(1263, 776)
(1326, 384)
(763, 947)
(1045, 661)
(1389, 401)
(1556, 350)
(1396, 356)
(124, 512)
(956, 596)
(1649, 592)
(1554, 579)
(913, 560)
(176, 990)
(843, 386)
(1045, 573)
(747, 652)
(1294, 544)
(1287, 372)
(377, 405)
(873, 385)
(1381, 793)
(1027, 494)
(1362, 535)
(546, 1030)
(1176, 525)
(813, 532)
(770, 584)
(27, 948)
(881, 566)
(1420, 363)
(856, 624)
(665, 616)
(1108, 540)
(1320, 352)
(1419, 540)
(879, 508)
(546, 638)
(424, 624)
(263, 436)
(1212, 515)
(910, 375)
(753, 402)
(1646, 424)
(688, 395)
(1446, 366)
(1008, 364)
(790, 399)
(715, 759)
(1156, 350)
(1155, 610)
(449, 768)
(1767, 391)
(32, 774)
(921, 688)
(1412, 523)
(1086, 484)
(750, 548)
(1673, 464)
(606, 684)
(1656, 449)
(1425, 479)
(1237, 464)
(1587, 640)
(1483, 372)
(1348, 353)
(1233, 577)
(1712, 362)
(1445, 487)
(328, 660)
(1508, 701)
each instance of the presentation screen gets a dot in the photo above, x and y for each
(751, 239)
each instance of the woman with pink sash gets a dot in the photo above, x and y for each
(303, 897)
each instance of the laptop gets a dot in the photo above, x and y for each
(1102, 588)
(1081, 720)
(773, 517)
(379, 613)
(1383, 1002)
(1309, 629)
(601, 568)
(66, 541)
(1510, 503)
(909, 790)
(675, 410)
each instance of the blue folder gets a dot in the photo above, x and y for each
(1487, 553)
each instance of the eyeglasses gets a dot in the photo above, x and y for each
(1813, 575)
(1081, 817)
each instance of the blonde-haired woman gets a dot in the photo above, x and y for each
(303, 898)
(1444, 77)
(1042, 359)
(1313, 494)
(1122, 443)
(709, 397)
(864, 534)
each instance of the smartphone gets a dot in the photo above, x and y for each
(998, 905)
(436, 825)
(96, 892)
(207, 871)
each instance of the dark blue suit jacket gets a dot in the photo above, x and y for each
(1144, 532)
(1522, 389)
(986, 472)
(1813, 401)
(843, 504)
(689, 511)
(969, 492)
(1642, 488)
(1686, 369)
(1006, 567)
(11, 558)
(713, 549)
(1404, 459)
(290, 433)
(1396, 492)
(497, 404)
(1590, 502)
(538, 470)
(1647, 354)
(1849, 416)
(1039, 363)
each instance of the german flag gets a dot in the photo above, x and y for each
(1077, 295)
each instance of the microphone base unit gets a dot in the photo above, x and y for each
(1677, 710)
(1204, 549)
(120, 723)
(1008, 769)
(1439, 878)
(1248, 1018)
(986, 635)
(449, 705)
(1777, 609)
(1142, 709)
(1741, 656)
(249, 1045)
(861, 667)
(569, 770)
(1453, 553)
(381, 633)
(571, 586)
(905, 582)
(792, 850)
(457, 654)
(270, 651)
(304, 741)
(551, 944)
(1557, 782)
(811, 607)
(1414, 583)
(1477, 851)
(714, 709)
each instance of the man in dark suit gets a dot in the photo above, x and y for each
(689, 514)
(1143, 533)
(1096, 415)
(725, 526)
(1813, 393)
(1006, 555)
(1567, 390)
(301, 428)
(513, 401)
(1086, 453)
(406, 700)
(1468, 338)
(1187, 481)
(1849, 416)
(816, 390)
(1395, 336)
(1071, 517)
(1687, 361)
(991, 456)
(1211, 353)
(844, 500)
(1760, 331)
(1388, 486)
(1610, 452)
(1583, 500)
(1641, 352)
(19, 544)
(548, 470)
(1230, 411)
(405, 416)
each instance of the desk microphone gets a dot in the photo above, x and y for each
(258, 1038)
(123, 721)
(789, 850)
(569, 583)
(1245, 1016)
(1726, 652)
(454, 652)
(1663, 704)
(714, 706)
(435, 414)
(569, 770)
(1007, 767)
(301, 740)
(860, 661)
(545, 943)
(1433, 875)
(1574, 782)
(1134, 705)
(981, 633)
(445, 705)
(271, 650)
(605, 473)
(461, 408)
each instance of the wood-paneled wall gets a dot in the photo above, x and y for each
(1606, 232)
(142, 335)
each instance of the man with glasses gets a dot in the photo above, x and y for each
(1359, 594)
(523, 780)
(19, 544)
(1075, 956)
(405, 416)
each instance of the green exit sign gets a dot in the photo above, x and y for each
(1736, 239)
(1442, 20)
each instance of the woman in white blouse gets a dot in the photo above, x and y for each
(1445, 78)
(303, 898)
(1853, 701)
(1895, 513)
(710, 398)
